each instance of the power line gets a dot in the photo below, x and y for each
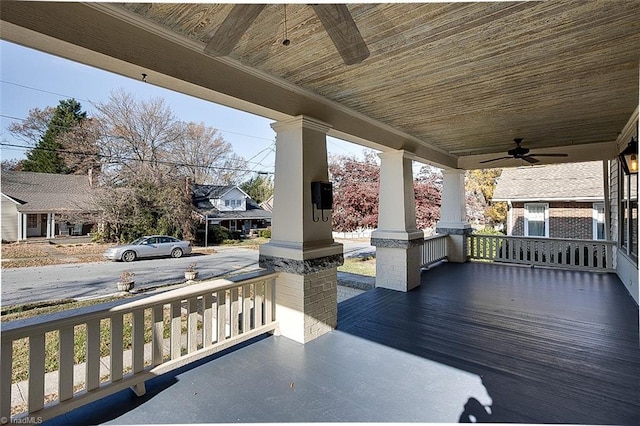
(67, 128)
(43, 91)
(110, 159)
(90, 102)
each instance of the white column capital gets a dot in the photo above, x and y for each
(299, 122)
(453, 172)
(400, 153)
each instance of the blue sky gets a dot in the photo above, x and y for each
(32, 79)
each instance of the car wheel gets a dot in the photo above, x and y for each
(176, 253)
(129, 256)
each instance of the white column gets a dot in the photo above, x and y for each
(398, 242)
(301, 247)
(22, 226)
(453, 215)
(49, 225)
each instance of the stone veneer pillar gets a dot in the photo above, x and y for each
(453, 215)
(301, 247)
(398, 243)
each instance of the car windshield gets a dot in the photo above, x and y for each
(137, 241)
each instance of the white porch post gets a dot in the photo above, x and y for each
(453, 215)
(51, 225)
(397, 241)
(22, 232)
(301, 246)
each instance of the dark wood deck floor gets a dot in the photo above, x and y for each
(475, 342)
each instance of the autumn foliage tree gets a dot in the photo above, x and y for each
(428, 191)
(356, 185)
(479, 186)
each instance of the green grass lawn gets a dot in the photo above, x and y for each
(359, 265)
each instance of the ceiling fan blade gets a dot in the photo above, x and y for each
(530, 159)
(494, 159)
(232, 28)
(551, 155)
(344, 33)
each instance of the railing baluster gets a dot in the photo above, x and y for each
(176, 329)
(116, 347)
(222, 315)
(258, 291)
(137, 341)
(65, 361)
(36, 372)
(93, 354)
(192, 325)
(269, 300)
(547, 253)
(246, 308)
(235, 312)
(6, 373)
(157, 338)
(207, 320)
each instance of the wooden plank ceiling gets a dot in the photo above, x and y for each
(443, 80)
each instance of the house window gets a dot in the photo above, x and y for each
(233, 203)
(536, 220)
(628, 202)
(598, 221)
(32, 221)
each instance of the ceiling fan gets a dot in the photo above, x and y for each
(522, 153)
(335, 18)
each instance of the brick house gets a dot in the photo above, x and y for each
(557, 201)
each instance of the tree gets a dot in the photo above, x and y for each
(479, 185)
(148, 156)
(79, 147)
(428, 192)
(259, 187)
(11, 165)
(47, 126)
(205, 156)
(356, 184)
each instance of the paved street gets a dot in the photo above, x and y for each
(89, 280)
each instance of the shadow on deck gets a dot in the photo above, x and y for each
(476, 342)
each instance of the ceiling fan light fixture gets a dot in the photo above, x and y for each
(629, 157)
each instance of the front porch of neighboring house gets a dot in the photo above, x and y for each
(49, 225)
(460, 341)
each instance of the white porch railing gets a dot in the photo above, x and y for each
(175, 328)
(594, 255)
(434, 249)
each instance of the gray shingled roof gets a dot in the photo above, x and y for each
(48, 192)
(570, 181)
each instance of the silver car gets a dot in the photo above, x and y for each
(151, 246)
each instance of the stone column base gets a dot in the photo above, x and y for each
(398, 260)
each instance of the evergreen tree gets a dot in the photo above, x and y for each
(259, 188)
(45, 157)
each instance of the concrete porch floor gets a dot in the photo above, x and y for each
(476, 342)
